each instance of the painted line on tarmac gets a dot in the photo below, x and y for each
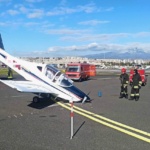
(16, 96)
(104, 78)
(19, 96)
(114, 122)
(110, 123)
(107, 78)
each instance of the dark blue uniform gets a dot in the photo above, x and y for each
(124, 78)
(135, 86)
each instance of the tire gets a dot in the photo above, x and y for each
(143, 84)
(80, 80)
(35, 99)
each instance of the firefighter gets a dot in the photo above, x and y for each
(124, 78)
(10, 73)
(135, 86)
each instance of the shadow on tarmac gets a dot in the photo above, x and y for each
(43, 102)
(5, 78)
(79, 128)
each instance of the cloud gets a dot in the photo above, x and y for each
(91, 48)
(23, 9)
(88, 37)
(89, 8)
(93, 22)
(97, 47)
(104, 38)
(61, 11)
(65, 31)
(12, 12)
(3, 24)
(31, 12)
(109, 9)
(36, 13)
(63, 2)
(142, 34)
(93, 45)
(34, 1)
(6, 1)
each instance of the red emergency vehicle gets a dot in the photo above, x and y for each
(80, 71)
(142, 74)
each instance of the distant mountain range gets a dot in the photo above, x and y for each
(131, 54)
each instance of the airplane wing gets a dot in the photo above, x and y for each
(26, 86)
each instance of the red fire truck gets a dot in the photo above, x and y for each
(80, 71)
(142, 74)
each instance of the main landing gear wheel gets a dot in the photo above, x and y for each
(35, 99)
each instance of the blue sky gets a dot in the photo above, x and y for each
(59, 28)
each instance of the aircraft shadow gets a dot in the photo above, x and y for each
(44, 102)
(5, 78)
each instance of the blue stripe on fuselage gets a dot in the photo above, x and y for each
(3, 55)
(76, 91)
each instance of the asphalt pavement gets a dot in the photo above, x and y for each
(107, 123)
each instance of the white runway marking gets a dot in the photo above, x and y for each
(21, 114)
(15, 116)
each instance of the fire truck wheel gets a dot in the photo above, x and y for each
(80, 80)
(87, 77)
(143, 84)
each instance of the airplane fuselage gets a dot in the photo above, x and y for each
(58, 85)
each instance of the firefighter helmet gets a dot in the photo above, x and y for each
(135, 71)
(123, 70)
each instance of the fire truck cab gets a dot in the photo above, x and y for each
(80, 71)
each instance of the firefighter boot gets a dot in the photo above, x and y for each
(131, 98)
(136, 98)
(126, 96)
(121, 95)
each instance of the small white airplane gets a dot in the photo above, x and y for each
(41, 79)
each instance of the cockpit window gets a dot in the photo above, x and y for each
(56, 76)
(40, 68)
(51, 71)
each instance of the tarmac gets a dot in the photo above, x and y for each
(107, 123)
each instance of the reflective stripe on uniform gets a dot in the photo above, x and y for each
(135, 87)
(123, 93)
(124, 85)
(132, 95)
(137, 94)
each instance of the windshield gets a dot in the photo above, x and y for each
(56, 76)
(64, 81)
(73, 69)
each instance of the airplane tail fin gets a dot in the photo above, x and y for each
(1, 43)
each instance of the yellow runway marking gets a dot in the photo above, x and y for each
(110, 123)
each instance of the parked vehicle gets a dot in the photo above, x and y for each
(80, 71)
